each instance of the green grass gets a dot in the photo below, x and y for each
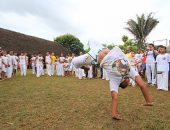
(72, 104)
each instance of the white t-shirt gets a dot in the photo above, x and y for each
(163, 62)
(48, 59)
(133, 62)
(114, 55)
(15, 60)
(62, 59)
(139, 56)
(1, 62)
(4, 60)
(33, 60)
(150, 58)
(69, 59)
(22, 59)
(114, 74)
(26, 60)
(10, 60)
(39, 60)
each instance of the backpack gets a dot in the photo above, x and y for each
(154, 54)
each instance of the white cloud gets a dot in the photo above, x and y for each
(95, 20)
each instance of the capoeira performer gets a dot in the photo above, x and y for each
(133, 63)
(53, 60)
(70, 69)
(15, 63)
(39, 65)
(162, 61)
(60, 69)
(27, 62)
(23, 64)
(33, 58)
(150, 65)
(0, 66)
(119, 71)
(66, 67)
(10, 64)
(48, 63)
(4, 65)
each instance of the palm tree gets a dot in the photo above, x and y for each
(141, 28)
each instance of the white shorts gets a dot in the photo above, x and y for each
(116, 80)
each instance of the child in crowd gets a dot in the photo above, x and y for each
(53, 60)
(15, 64)
(66, 67)
(133, 63)
(39, 65)
(33, 58)
(4, 65)
(23, 64)
(0, 66)
(162, 61)
(150, 64)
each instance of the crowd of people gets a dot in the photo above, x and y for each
(49, 65)
(150, 63)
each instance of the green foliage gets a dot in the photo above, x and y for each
(128, 44)
(109, 46)
(70, 42)
(124, 38)
(141, 27)
(87, 50)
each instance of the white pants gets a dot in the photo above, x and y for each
(81, 73)
(132, 81)
(48, 69)
(39, 70)
(90, 73)
(9, 71)
(52, 69)
(162, 81)
(105, 76)
(23, 69)
(60, 70)
(33, 69)
(77, 72)
(150, 73)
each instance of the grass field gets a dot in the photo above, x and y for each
(71, 104)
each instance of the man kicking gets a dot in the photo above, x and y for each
(118, 69)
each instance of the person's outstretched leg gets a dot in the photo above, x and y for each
(144, 90)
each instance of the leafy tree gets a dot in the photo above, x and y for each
(70, 42)
(141, 28)
(128, 44)
(124, 38)
(109, 46)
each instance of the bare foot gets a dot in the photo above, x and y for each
(148, 104)
(117, 117)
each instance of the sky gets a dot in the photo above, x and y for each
(95, 21)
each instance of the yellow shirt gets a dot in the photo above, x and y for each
(129, 56)
(53, 59)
